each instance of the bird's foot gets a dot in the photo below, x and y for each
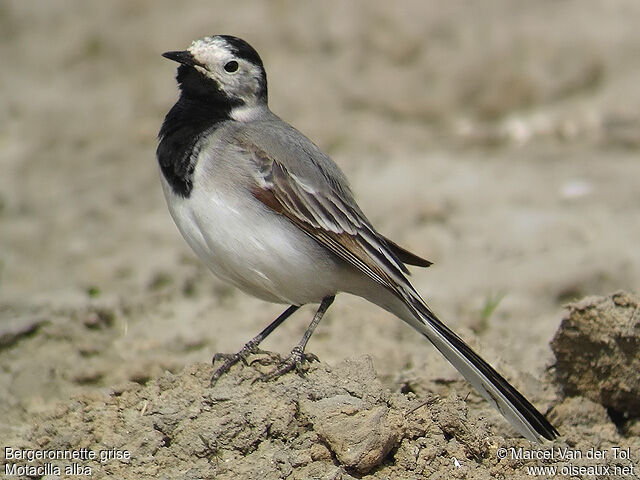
(294, 361)
(230, 359)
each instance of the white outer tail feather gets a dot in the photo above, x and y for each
(437, 333)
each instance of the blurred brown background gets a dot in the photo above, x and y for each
(498, 139)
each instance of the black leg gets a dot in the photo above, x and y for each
(296, 356)
(250, 347)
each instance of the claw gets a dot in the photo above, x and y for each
(226, 356)
(310, 357)
(230, 360)
(269, 358)
(294, 361)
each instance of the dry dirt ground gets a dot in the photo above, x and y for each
(498, 139)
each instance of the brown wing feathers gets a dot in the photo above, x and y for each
(337, 226)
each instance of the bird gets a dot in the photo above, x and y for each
(267, 211)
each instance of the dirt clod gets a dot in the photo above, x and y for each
(596, 349)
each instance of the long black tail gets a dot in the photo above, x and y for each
(492, 386)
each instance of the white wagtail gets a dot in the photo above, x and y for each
(267, 211)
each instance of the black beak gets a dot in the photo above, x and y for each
(184, 57)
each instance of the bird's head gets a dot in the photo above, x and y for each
(221, 65)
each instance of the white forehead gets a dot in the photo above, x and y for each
(210, 50)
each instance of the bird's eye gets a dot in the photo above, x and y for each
(231, 66)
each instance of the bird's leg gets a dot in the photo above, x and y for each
(297, 355)
(250, 347)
